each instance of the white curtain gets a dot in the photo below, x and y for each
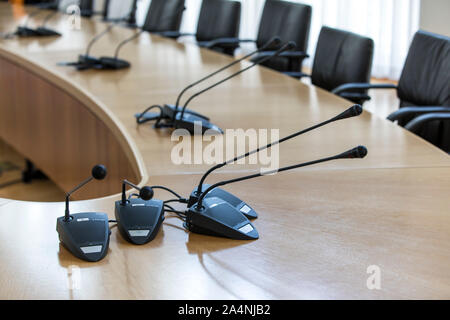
(390, 23)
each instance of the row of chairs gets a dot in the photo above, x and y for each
(342, 61)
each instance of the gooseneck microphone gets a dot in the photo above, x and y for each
(288, 46)
(145, 193)
(274, 42)
(353, 111)
(168, 112)
(85, 235)
(193, 123)
(43, 30)
(98, 173)
(114, 62)
(139, 219)
(86, 61)
(356, 153)
(216, 217)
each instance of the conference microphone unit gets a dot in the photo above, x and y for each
(168, 112)
(234, 201)
(114, 63)
(139, 219)
(86, 61)
(24, 31)
(85, 235)
(44, 31)
(191, 122)
(216, 217)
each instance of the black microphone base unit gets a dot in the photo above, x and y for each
(193, 123)
(86, 235)
(26, 32)
(139, 221)
(219, 219)
(221, 194)
(111, 63)
(45, 32)
(168, 113)
(86, 62)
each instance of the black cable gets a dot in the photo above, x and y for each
(176, 200)
(133, 195)
(139, 118)
(169, 190)
(112, 221)
(10, 183)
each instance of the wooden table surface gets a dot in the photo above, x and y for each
(321, 227)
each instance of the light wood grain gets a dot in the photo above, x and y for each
(320, 227)
(319, 233)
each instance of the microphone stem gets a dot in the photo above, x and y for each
(67, 213)
(116, 55)
(200, 186)
(88, 49)
(222, 183)
(211, 75)
(124, 186)
(277, 53)
(267, 45)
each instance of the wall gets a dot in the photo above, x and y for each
(434, 16)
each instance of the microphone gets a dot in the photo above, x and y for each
(213, 216)
(139, 220)
(114, 63)
(168, 112)
(86, 61)
(189, 121)
(43, 30)
(85, 235)
(237, 203)
(24, 31)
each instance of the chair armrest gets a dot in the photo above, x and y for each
(297, 75)
(352, 86)
(408, 111)
(355, 95)
(417, 123)
(173, 34)
(228, 42)
(288, 54)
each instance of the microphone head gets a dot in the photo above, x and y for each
(353, 111)
(99, 172)
(291, 45)
(146, 193)
(272, 43)
(355, 153)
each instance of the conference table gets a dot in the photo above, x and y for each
(323, 229)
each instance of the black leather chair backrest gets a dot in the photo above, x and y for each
(218, 19)
(86, 5)
(288, 20)
(425, 79)
(164, 15)
(341, 57)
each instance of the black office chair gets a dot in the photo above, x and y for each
(217, 19)
(423, 89)
(126, 8)
(288, 20)
(164, 15)
(341, 57)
